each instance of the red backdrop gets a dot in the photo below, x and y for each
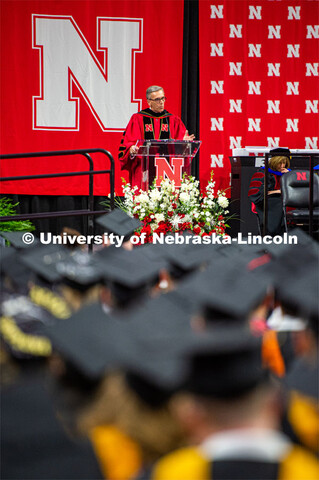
(60, 38)
(259, 79)
(258, 64)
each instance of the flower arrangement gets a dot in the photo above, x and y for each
(170, 209)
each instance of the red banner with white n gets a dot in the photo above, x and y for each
(72, 74)
(259, 78)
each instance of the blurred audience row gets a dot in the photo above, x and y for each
(160, 362)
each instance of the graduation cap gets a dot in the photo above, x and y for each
(128, 273)
(16, 239)
(43, 260)
(295, 278)
(79, 270)
(224, 363)
(14, 269)
(221, 362)
(21, 324)
(303, 240)
(226, 290)
(279, 151)
(87, 341)
(191, 256)
(119, 223)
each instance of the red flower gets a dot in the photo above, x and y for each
(197, 230)
(201, 224)
(170, 214)
(146, 229)
(174, 205)
(186, 226)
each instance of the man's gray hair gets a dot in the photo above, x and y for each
(153, 88)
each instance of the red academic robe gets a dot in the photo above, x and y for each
(147, 125)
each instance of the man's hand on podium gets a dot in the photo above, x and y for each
(188, 137)
(133, 150)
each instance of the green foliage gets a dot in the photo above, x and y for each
(8, 208)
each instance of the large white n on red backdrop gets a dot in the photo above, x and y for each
(72, 74)
(259, 78)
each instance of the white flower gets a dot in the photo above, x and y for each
(176, 220)
(184, 197)
(223, 202)
(159, 217)
(155, 195)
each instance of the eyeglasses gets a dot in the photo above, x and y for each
(158, 100)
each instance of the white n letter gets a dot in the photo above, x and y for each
(235, 68)
(254, 88)
(217, 86)
(254, 124)
(311, 142)
(312, 106)
(273, 142)
(67, 60)
(274, 69)
(216, 11)
(217, 161)
(312, 31)
(293, 12)
(274, 32)
(235, 105)
(217, 124)
(254, 12)
(273, 106)
(292, 125)
(312, 69)
(293, 50)
(216, 49)
(254, 50)
(235, 31)
(292, 88)
(235, 142)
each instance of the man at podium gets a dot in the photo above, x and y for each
(153, 123)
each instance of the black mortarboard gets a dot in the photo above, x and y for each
(295, 278)
(189, 256)
(80, 270)
(43, 260)
(226, 289)
(128, 273)
(21, 325)
(279, 151)
(225, 363)
(12, 267)
(119, 223)
(85, 341)
(16, 239)
(295, 234)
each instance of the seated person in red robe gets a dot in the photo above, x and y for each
(153, 123)
(278, 165)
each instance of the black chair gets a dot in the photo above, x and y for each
(295, 194)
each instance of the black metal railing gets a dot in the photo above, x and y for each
(89, 212)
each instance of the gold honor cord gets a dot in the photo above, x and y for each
(50, 301)
(22, 342)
